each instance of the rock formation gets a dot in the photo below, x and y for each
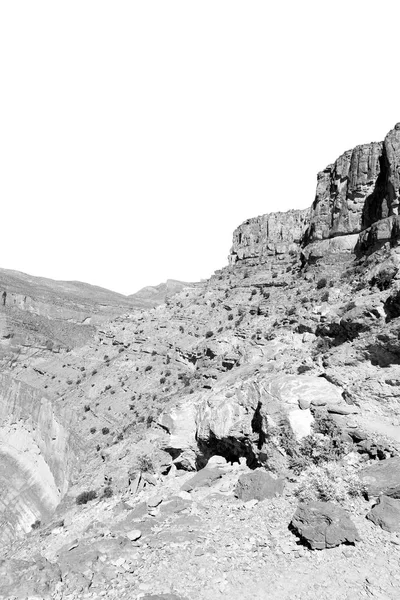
(129, 425)
(361, 189)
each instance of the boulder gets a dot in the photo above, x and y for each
(258, 485)
(323, 525)
(383, 477)
(203, 478)
(386, 513)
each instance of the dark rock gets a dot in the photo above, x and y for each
(258, 485)
(383, 478)
(324, 525)
(386, 514)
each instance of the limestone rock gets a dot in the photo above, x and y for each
(258, 485)
(134, 535)
(386, 513)
(268, 236)
(342, 190)
(383, 477)
(203, 478)
(324, 525)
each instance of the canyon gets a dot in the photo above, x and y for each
(129, 424)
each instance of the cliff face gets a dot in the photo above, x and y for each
(359, 190)
(36, 457)
(270, 235)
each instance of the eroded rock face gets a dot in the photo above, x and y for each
(36, 458)
(344, 190)
(354, 194)
(271, 235)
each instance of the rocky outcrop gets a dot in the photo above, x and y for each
(243, 412)
(358, 194)
(276, 234)
(345, 191)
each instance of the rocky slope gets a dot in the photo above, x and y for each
(195, 426)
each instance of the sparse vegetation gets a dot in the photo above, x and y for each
(86, 497)
(328, 482)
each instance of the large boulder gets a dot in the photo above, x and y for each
(386, 513)
(323, 525)
(383, 477)
(258, 485)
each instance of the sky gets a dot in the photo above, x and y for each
(135, 136)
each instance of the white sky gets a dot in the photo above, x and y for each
(136, 136)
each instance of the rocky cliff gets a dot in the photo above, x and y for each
(361, 188)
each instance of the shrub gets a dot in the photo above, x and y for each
(162, 380)
(145, 463)
(230, 317)
(148, 368)
(321, 283)
(36, 524)
(107, 492)
(105, 430)
(86, 497)
(253, 292)
(94, 371)
(329, 482)
(86, 408)
(209, 334)
(93, 430)
(383, 280)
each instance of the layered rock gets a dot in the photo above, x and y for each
(270, 235)
(354, 194)
(36, 457)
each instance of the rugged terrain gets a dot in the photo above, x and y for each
(135, 440)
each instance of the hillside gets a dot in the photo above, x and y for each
(194, 428)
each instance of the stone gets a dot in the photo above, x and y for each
(323, 525)
(304, 403)
(258, 485)
(383, 477)
(386, 514)
(154, 501)
(134, 535)
(342, 409)
(203, 478)
(217, 461)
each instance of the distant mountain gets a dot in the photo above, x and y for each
(150, 296)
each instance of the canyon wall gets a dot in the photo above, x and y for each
(36, 457)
